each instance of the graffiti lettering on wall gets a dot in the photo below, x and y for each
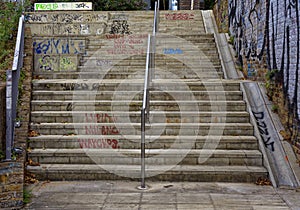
(263, 130)
(100, 118)
(59, 46)
(47, 63)
(55, 63)
(179, 16)
(267, 32)
(99, 143)
(80, 86)
(128, 45)
(119, 27)
(100, 130)
(172, 51)
(104, 63)
(119, 17)
(66, 18)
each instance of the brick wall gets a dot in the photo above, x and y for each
(266, 37)
(2, 117)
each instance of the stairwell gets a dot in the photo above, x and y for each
(85, 109)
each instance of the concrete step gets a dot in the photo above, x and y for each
(116, 74)
(152, 157)
(135, 105)
(138, 95)
(134, 142)
(176, 173)
(135, 85)
(135, 117)
(173, 129)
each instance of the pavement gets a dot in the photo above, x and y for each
(109, 195)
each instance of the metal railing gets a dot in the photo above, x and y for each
(12, 91)
(149, 75)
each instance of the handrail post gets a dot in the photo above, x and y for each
(143, 186)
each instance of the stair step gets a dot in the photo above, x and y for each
(154, 95)
(176, 173)
(135, 117)
(133, 142)
(152, 157)
(134, 105)
(127, 128)
(134, 85)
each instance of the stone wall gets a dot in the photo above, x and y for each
(2, 117)
(267, 38)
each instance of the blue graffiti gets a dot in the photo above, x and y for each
(172, 51)
(58, 46)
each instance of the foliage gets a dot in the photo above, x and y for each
(209, 4)
(27, 196)
(110, 5)
(9, 18)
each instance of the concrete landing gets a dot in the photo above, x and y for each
(161, 195)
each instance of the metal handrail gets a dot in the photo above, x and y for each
(12, 91)
(149, 75)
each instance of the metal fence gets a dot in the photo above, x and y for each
(12, 91)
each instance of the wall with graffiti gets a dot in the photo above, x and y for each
(221, 15)
(266, 36)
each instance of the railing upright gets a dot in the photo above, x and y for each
(149, 75)
(12, 91)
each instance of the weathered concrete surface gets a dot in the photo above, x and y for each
(160, 195)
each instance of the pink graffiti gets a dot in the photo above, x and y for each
(179, 16)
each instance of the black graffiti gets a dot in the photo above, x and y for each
(263, 130)
(119, 27)
(82, 5)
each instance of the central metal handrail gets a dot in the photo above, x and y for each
(149, 75)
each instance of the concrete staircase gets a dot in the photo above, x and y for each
(87, 119)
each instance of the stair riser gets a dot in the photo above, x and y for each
(238, 176)
(188, 160)
(66, 129)
(127, 144)
(138, 96)
(103, 86)
(136, 118)
(96, 106)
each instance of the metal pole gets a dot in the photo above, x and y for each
(143, 186)
(9, 120)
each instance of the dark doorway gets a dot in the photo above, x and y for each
(163, 4)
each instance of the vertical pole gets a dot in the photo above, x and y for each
(9, 118)
(143, 186)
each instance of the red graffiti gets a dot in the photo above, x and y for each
(179, 16)
(99, 118)
(101, 130)
(98, 143)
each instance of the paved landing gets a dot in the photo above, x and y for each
(109, 195)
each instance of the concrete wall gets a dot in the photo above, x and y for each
(266, 37)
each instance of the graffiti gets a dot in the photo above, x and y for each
(47, 63)
(99, 143)
(82, 5)
(36, 18)
(84, 29)
(179, 16)
(67, 64)
(101, 130)
(59, 46)
(172, 51)
(119, 17)
(104, 63)
(100, 118)
(263, 130)
(80, 86)
(119, 27)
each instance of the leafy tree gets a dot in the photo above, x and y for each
(209, 4)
